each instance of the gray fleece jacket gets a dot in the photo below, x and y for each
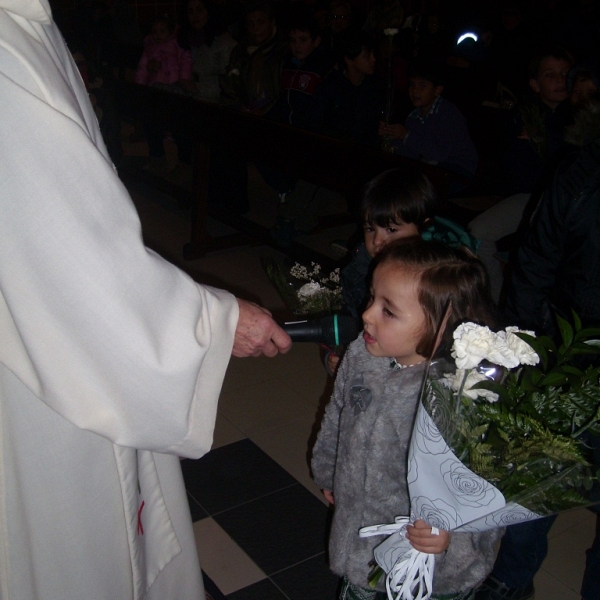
(361, 454)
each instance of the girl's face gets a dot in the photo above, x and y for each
(377, 237)
(394, 321)
(197, 14)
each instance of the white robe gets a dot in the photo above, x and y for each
(111, 359)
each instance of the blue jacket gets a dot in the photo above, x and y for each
(441, 137)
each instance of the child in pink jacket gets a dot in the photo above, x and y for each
(163, 60)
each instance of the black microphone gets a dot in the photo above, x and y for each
(333, 330)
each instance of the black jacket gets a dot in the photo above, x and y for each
(558, 265)
(349, 112)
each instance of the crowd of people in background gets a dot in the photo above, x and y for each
(413, 84)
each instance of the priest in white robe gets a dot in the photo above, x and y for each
(111, 359)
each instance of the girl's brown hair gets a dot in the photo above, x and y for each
(445, 275)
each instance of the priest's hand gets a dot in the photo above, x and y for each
(257, 333)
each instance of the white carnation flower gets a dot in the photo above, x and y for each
(472, 344)
(524, 352)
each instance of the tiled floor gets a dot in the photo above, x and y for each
(259, 520)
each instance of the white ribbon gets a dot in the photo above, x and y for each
(411, 578)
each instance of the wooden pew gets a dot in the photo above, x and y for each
(337, 165)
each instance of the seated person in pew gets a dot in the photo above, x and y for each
(347, 105)
(252, 78)
(250, 84)
(435, 131)
(203, 32)
(303, 72)
(165, 64)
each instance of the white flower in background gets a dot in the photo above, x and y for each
(523, 351)
(309, 289)
(455, 380)
(299, 271)
(472, 344)
(390, 31)
(334, 276)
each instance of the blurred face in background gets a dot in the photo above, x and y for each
(584, 89)
(423, 93)
(260, 27)
(551, 82)
(339, 18)
(364, 63)
(197, 14)
(302, 44)
(433, 24)
(161, 32)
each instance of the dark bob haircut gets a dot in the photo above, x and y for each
(401, 195)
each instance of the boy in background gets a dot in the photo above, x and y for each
(252, 77)
(349, 103)
(435, 131)
(303, 72)
(533, 150)
(346, 105)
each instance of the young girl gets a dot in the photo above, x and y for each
(360, 456)
(163, 60)
(166, 65)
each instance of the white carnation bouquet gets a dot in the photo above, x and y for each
(497, 440)
(307, 290)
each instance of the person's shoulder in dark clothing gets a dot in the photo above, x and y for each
(349, 112)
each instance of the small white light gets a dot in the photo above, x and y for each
(464, 36)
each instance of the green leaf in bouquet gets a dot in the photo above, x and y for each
(566, 332)
(576, 321)
(492, 386)
(557, 492)
(571, 370)
(527, 380)
(554, 378)
(590, 334)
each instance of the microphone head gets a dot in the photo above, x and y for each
(347, 329)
